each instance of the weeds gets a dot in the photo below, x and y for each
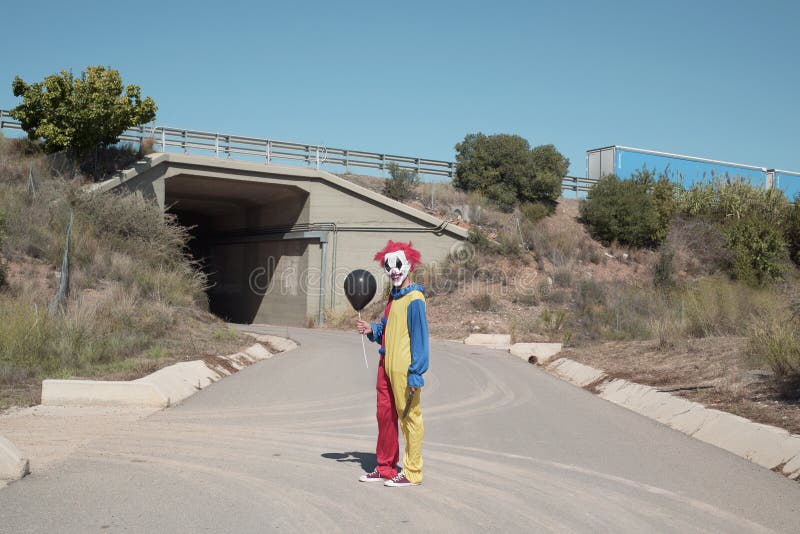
(132, 281)
(774, 341)
(482, 302)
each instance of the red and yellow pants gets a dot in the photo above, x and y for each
(391, 403)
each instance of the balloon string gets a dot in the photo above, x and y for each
(363, 347)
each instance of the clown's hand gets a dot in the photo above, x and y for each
(363, 327)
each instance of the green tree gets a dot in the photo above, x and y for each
(78, 114)
(505, 168)
(635, 212)
(401, 182)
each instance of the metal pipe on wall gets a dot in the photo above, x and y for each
(321, 321)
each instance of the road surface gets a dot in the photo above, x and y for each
(508, 448)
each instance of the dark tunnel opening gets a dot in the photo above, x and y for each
(238, 231)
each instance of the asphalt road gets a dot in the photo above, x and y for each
(508, 448)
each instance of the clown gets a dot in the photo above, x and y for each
(403, 335)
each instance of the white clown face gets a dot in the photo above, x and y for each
(396, 266)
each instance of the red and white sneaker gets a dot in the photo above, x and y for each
(372, 477)
(400, 480)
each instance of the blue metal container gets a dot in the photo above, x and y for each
(786, 181)
(623, 161)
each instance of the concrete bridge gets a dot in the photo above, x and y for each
(277, 241)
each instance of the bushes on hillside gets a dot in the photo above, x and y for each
(636, 211)
(747, 231)
(791, 230)
(505, 169)
(401, 183)
(753, 221)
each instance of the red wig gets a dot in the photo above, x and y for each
(412, 255)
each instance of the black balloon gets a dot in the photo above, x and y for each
(359, 288)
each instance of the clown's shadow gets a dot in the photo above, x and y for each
(367, 460)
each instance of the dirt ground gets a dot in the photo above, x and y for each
(709, 371)
(48, 434)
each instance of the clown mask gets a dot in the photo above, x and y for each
(397, 267)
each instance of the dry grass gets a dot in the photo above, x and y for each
(136, 300)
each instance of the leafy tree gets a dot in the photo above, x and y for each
(77, 114)
(401, 183)
(635, 212)
(505, 168)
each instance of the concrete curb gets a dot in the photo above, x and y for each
(765, 445)
(273, 343)
(491, 341)
(542, 353)
(12, 465)
(161, 389)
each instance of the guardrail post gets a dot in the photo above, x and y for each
(216, 146)
(228, 147)
(346, 161)
(269, 151)
(163, 140)
(183, 142)
(317, 156)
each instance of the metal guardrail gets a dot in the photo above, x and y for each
(268, 150)
(577, 184)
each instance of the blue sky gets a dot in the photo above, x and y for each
(714, 79)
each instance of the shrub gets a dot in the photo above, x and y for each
(721, 200)
(505, 169)
(590, 295)
(774, 341)
(526, 298)
(698, 247)
(562, 277)
(758, 248)
(636, 211)
(533, 212)
(558, 243)
(792, 230)
(401, 184)
(757, 224)
(664, 268)
(482, 302)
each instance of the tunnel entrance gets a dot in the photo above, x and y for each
(240, 238)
